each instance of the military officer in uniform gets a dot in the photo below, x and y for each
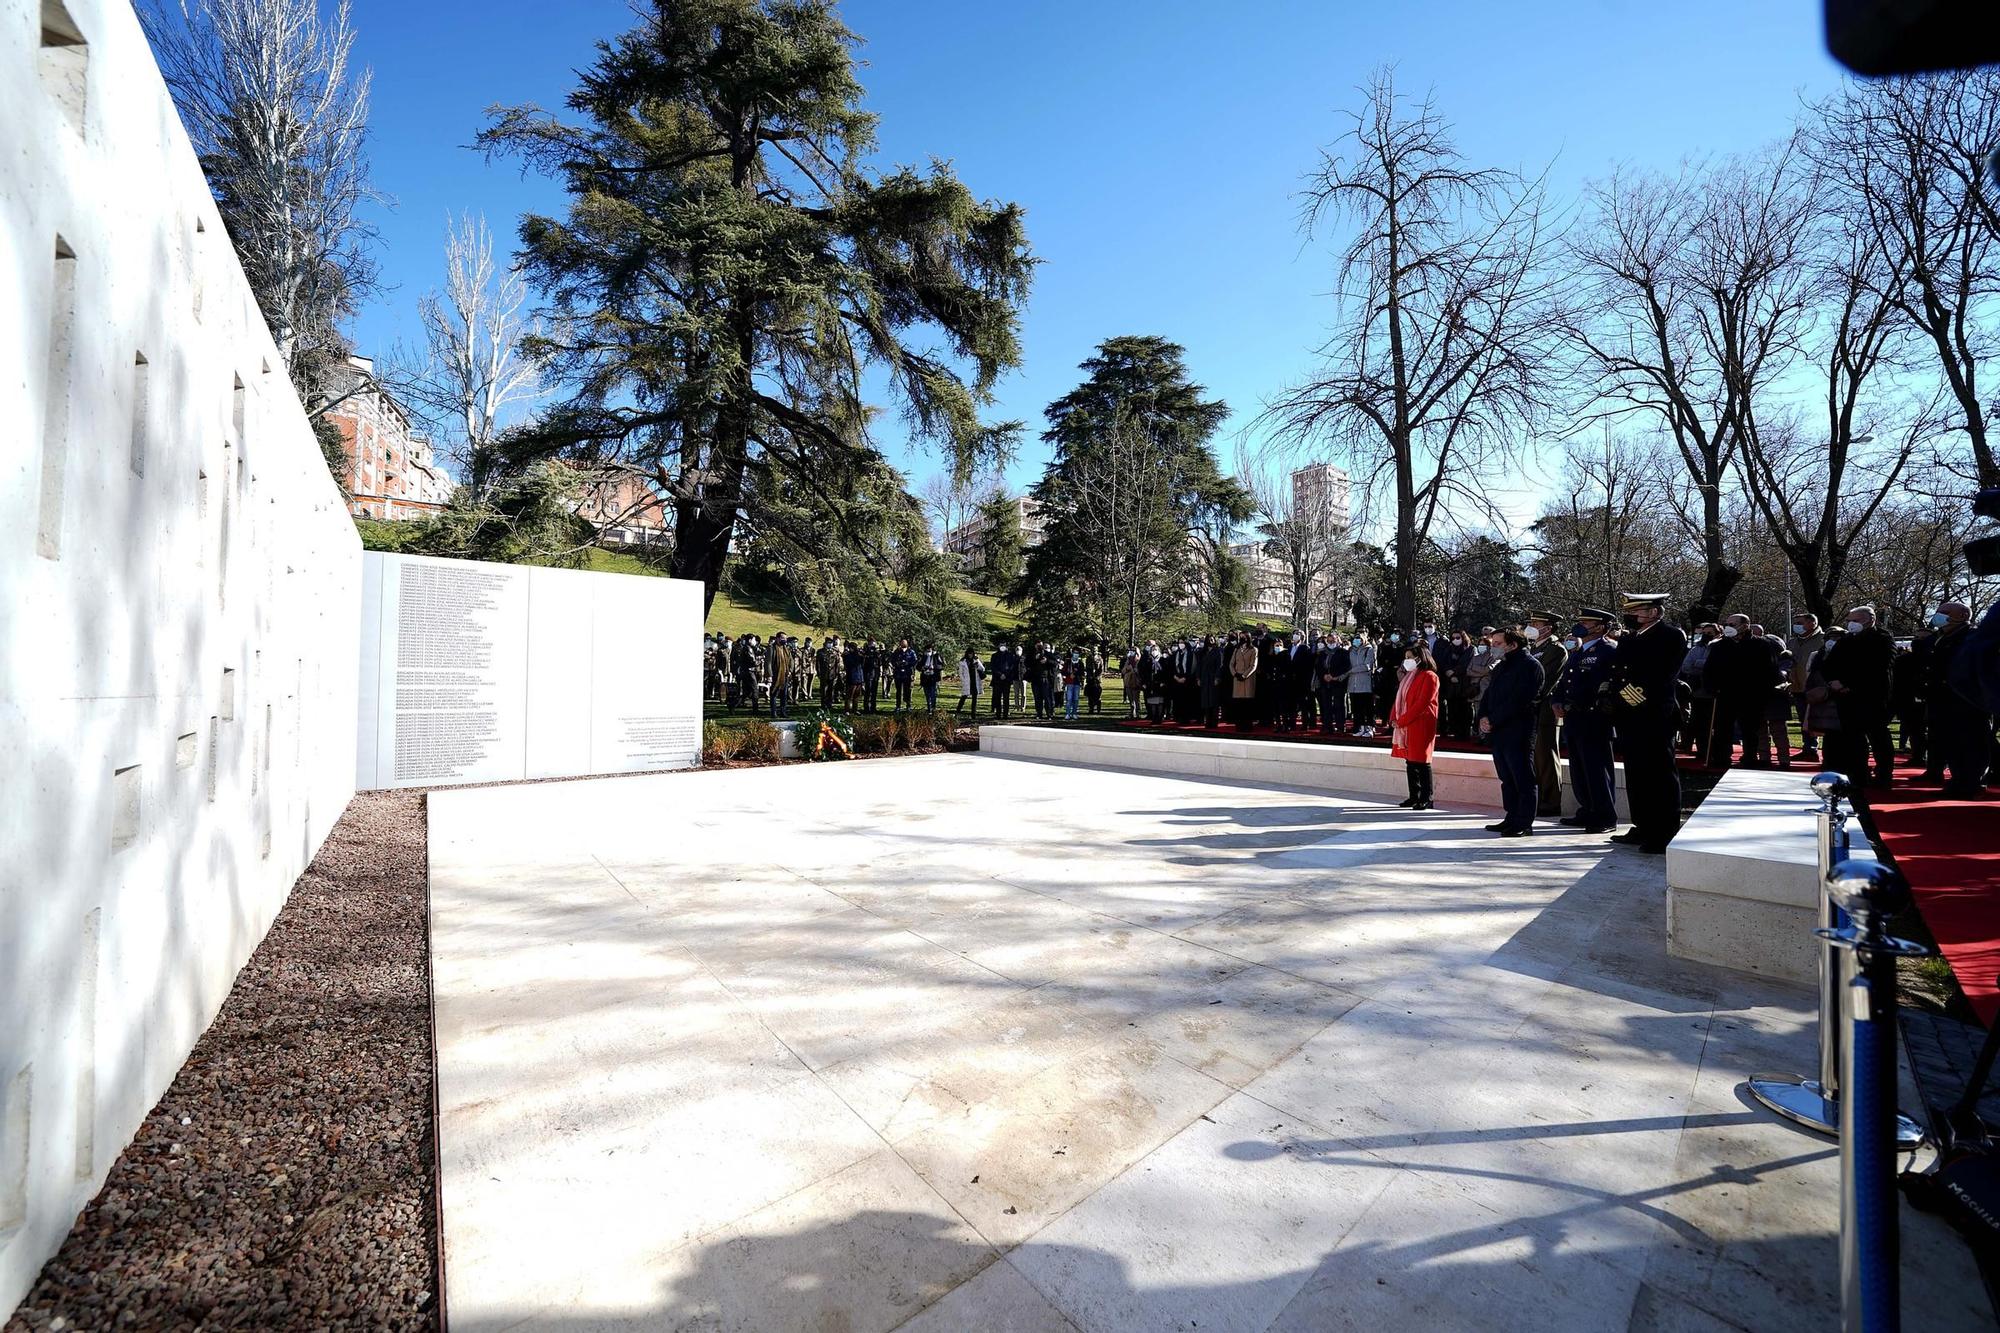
(1647, 666)
(1549, 651)
(1577, 700)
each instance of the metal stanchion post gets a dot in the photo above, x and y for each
(1870, 893)
(1809, 1101)
(1815, 1101)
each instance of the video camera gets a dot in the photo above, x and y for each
(1982, 556)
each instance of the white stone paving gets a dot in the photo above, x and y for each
(967, 1042)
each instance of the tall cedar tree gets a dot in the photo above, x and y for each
(999, 544)
(729, 269)
(1131, 479)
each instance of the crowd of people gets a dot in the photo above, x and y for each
(1848, 687)
(772, 675)
(1596, 686)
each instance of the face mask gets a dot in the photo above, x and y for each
(1481, 648)
(1729, 632)
(1571, 642)
(1409, 664)
(1798, 629)
(1533, 633)
(1853, 627)
(1430, 629)
(1395, 638)
(1940, 620)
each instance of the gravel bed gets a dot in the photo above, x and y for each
(286, 1179)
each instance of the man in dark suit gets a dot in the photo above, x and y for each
(1330, 680)
(1002, 672)
(1742, 673)
(1646, 711)
(1856, 669)
(1507, 715)
(902, 670)
(1961, 731)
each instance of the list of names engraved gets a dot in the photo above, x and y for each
(449, 686)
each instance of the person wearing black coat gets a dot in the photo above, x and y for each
(1212, 680)
(902, 672)
(1646, 711)
(1454, 704)
(873, 658)
(1183, 667)
(1507, 716)
(1002, 672)
(1909, 684)
(1330, 681)
(1857, 671)
(1305, 693)
(1048, 681)
(1742, 673)
(1274, 690)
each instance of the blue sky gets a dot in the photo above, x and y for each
(1157, 147)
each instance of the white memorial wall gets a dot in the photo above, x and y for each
(477, 672)
(179, 585)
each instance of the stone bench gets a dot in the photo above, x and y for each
(1464, 779)
(1743, 885)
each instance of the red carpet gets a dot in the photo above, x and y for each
(1950, 853)
(1303, 736)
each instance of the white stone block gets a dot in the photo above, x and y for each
(1743, 885)
(1768, 938)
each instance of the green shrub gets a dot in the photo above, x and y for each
(757, 741)
(869, 736)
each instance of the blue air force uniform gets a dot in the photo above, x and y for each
(1587, 731)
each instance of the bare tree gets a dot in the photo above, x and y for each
(950, 501)
(1694, 291)
(1912, 555)
(1304, 532)
(279, 119)
(1912, 153)
(1597, 518)
(1124, 492)
(1448, 321)
(472, 373)
(1818, 487)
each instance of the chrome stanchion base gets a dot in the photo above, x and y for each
(1803, 1102)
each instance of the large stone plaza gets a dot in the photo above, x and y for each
(434, 893)
(979, 1043)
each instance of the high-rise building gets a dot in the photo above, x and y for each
(1321, 489)
(1320, 508)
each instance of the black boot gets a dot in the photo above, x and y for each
(1410, 775)
(1423, 787)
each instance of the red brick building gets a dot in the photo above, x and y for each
(390, 470)
(623, 508)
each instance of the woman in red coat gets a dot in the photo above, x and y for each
(1414, 718)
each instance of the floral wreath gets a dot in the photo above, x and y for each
(827, 736)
